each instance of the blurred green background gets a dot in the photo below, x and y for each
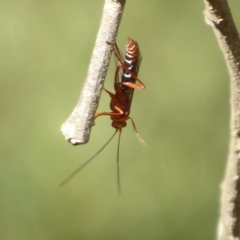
(170, 188)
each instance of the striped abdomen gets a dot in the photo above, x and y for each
(132, 60)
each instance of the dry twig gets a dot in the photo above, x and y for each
(76, 129)
(218, 15)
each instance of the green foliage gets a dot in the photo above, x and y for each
(171, 188)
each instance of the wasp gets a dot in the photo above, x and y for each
(121, 100)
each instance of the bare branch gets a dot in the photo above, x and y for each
(218, 15)
(76, 129)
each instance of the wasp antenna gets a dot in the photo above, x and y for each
(118, 165)
(88, 161)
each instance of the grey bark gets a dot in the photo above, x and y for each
(76, 129)
(218, 15)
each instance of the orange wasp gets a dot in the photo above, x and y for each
(121, 101)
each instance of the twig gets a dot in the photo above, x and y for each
(218, 15)
(76, 129)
